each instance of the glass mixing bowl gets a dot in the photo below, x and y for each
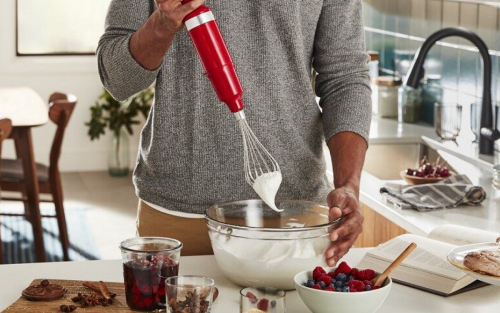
(257, 246)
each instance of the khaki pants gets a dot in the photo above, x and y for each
(192, 232)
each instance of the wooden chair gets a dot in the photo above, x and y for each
(5, 128)
(49, 178)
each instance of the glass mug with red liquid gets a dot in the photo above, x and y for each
(147, 262)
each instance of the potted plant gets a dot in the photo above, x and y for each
(118, 116)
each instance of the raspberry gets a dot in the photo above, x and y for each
(356, 285)
(326, 279)
(263, 304)
(252, 297)
(343, 268)
(316, 286)
(366, 275)
(332, 275)
(368, 282)
(330, 288)
(318, 272)
(354, 272)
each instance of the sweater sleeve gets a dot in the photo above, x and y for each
(341, 63)
(120, 73)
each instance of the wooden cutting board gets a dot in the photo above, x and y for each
(73, 287)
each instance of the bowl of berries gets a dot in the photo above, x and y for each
(341, 289)
(426, 173)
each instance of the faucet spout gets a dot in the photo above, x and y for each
(488, 133)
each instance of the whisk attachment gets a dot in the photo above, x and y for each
(262, 172)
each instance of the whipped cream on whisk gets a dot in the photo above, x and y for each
(266, 186)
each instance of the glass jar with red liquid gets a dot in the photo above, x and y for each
(147, 262)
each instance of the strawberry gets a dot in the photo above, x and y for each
(326, 279)
(318, 272)
(366, 275)
(343, 268)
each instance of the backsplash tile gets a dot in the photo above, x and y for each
(397, 28)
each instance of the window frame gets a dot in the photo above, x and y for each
(56, 54)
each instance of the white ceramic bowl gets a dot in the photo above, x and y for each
(257, 246)
(321, 301)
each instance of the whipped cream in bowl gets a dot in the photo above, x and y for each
(255, 246)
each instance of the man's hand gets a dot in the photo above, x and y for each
(343, 203)
(172, 12)
(150, 43)
(348, 155)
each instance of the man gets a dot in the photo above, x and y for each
(191, 152)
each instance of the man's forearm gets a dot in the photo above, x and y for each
(348, 155)
(150, 43)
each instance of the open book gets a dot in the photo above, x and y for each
(427, 267)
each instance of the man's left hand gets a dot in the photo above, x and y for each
(343, 202)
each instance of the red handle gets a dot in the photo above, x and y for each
(214, 56)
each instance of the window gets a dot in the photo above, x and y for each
(59, 27)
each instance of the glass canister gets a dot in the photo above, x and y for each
(385, 91)
(409, 104)
(432, 93)
(147, 262)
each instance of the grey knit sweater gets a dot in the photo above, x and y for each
(191, 151)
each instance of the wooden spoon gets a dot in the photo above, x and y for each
(379, 280)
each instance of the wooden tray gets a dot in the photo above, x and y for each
(73, 287)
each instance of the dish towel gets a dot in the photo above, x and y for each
(448, 193)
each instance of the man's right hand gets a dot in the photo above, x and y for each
(172, 12)
(150, 43)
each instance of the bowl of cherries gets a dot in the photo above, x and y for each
(426, 173)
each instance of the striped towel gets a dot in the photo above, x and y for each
(448, 193)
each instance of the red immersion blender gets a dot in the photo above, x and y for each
(219, 67)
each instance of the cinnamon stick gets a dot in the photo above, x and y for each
(97, 289)
(104, 290)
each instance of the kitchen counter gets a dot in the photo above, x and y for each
(401, 298)
(463, 157)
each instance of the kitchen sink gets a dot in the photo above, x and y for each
(386, 161)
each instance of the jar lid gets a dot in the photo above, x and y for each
(374, 55)
(433, 78)
(387, 81)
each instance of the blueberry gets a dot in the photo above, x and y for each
(368, 287)
(338, 289)
(341, 277)
(273, 303)
(333, 281)
(346, 283)
(322, 284)
(345, 289)
(338, 284)
(310, 283)
(350, 278)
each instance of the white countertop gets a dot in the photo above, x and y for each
(463, 158)
(401, 299)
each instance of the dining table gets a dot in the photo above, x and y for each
(401, 298)
(26, 109)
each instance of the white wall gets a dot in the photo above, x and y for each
(77, 75)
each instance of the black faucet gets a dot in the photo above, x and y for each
(488, 132)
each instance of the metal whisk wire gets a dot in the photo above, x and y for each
(257, 160)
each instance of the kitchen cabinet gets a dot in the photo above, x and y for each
(376, 229)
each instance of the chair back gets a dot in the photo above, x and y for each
(61, 107)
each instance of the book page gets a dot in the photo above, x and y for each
(461, 235)
(430, 255)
